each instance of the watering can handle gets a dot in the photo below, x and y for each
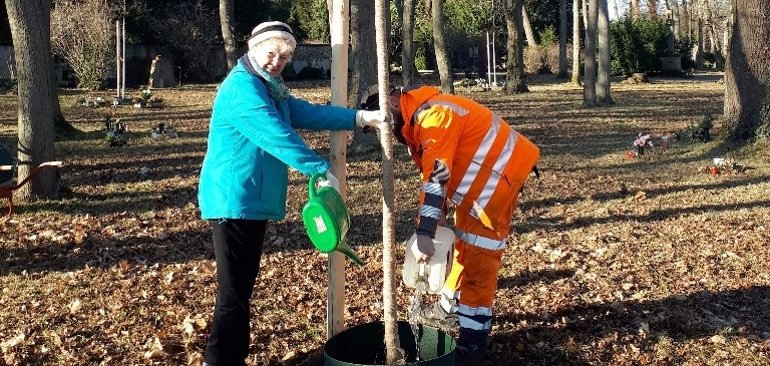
(311, 186)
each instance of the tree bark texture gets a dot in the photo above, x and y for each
(589, 57)
(563, 38)
(747, 78)
(30, 30)
(603, 95)
(699, 44)
(528, 31)
(635, 9)
(576, 42)
(439, 45)
(393, 352)
(652, 8)
(614, 12)
(363, 65)
(409, 71)
(226, 24)
(515, 46)
(684, 15)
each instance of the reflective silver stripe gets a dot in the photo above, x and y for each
(469, 311)
(482, 242)
(430, 211)
(478, 157)
(469, 323)
(499, 167)
(433, 188)
(462, 112)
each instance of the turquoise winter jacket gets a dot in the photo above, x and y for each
(252, 141)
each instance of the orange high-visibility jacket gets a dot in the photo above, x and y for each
(464, 151)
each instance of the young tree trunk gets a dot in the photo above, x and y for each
(226, 24)
(589, 59)
(576, 42)
(585, 15)
(409, 71)
(393, 352)
(562, 39)
(363, 66)
(30, 30)
(528, 31)
(515, 46)
(439, 45)
(747, 78)
(603, 76)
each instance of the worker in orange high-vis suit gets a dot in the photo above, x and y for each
(471, 159)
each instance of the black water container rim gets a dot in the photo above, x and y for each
(364, 345)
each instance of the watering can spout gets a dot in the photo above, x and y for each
(345, 249)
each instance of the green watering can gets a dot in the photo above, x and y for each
(327, 220)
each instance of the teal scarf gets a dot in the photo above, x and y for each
(275, 86)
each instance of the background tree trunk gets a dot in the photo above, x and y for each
(585, 15)
(699, 44)
(576, 42)
(652, 8)
(589, 58)
(603, 76)
(439, 45)
(226, 23)
(363, 66)
(409, 71)
(747, 78)
(562, 39)
(635, 9)
(30, 29)
(528, 31)
(514, 83)
(684, 14)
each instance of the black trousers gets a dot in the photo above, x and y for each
(238, 249)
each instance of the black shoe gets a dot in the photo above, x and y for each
(435, 316)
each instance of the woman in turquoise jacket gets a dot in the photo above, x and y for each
(252, 142)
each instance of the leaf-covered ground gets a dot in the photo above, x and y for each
(614, 261)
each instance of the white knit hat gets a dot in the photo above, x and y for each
(268, 30)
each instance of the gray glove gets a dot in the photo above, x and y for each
(423, 248)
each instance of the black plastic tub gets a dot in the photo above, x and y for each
(365, 345)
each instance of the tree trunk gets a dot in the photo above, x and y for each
(226, 23)
(393, 353)
(409, 71)
(576, 42)
(30, 31)
(652, 8)
(585, 15)
(439, 46)
(589, 59)
(747, 78)
(686, 18)
(635, 9)
(515, 46)
(528, 31)
(603, 77)
(363, 65)
(699, 44)
(562, 39)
